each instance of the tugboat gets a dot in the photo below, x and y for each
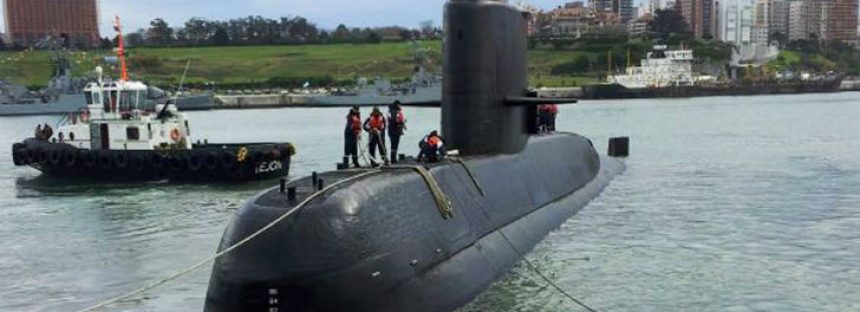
(117, 138)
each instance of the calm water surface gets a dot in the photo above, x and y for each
(728, 204)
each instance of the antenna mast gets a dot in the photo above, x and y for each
(120, 52)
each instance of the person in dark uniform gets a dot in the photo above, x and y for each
(432, 147)
(396, 126)
(375, 127)
(351, 133)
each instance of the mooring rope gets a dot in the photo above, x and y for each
(443, 203)
(542, 276)
(232, 247)
(469, 172)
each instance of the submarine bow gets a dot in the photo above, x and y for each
(378, 240)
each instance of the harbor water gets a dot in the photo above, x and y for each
(728, 204)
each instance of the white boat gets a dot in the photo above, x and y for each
(659, 69)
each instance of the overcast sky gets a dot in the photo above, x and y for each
(326, 13)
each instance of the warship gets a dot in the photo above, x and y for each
(421, 236)
(64, 92)
(423, 89)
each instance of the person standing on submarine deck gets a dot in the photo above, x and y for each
(351, 133)
(396, 126)
(375, 127)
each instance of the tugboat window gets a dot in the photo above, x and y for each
(106, 101)
(125, 101)
(132, 133)
(89, 97)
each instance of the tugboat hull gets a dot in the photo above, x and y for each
(207, 162)
(381, 244)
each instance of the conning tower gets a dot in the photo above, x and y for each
(484, 65)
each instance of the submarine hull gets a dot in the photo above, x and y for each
(381, 244)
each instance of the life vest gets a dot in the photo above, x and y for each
(376, 122)
(355, 122)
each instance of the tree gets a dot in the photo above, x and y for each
(106, 43)
(667, 23)
(198, 30)
(160, 32)
(341, 34)
(134, 39)
(220, 37)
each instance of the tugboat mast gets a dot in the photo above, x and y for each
(120, 52)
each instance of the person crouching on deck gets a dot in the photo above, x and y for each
(432, 147)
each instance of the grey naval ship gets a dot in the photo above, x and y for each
(64, 94)
(420, 236)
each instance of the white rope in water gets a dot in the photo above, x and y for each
(542, 276)
(231, 248)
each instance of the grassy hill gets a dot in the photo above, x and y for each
(252, 65)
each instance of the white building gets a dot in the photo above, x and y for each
(736, 24)
(796, 21)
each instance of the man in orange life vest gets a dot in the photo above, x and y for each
(351, 133)
(375, 127)
(432, 147)
(396, 125)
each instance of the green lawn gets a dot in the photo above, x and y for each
(249, 64)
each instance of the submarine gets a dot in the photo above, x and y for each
(421, 236)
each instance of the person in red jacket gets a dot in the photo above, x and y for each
(546, 117)
(351, 134)
(396, 127)
(375, 127)
(432, 147)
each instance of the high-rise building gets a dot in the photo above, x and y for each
(30, 21)
(623, 9)
(797, 21)
(778, 16)
(699, 15)
(760, 31)
(736, 22)
(823, 20)
(601, 6)
(841, 20)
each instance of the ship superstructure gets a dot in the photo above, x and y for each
(659, 69)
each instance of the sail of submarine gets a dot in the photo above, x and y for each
(378, 242)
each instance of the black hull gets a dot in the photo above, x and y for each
(381, 244)
(615, 91)
(204, 163)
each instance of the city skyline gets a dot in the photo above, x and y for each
(325, 13)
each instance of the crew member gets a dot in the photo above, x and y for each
(546, 117)
(396, 126)
(553, 112)
(47, 132)
(432, 147)
(375, 127)
(351, 133)
(38, 134)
